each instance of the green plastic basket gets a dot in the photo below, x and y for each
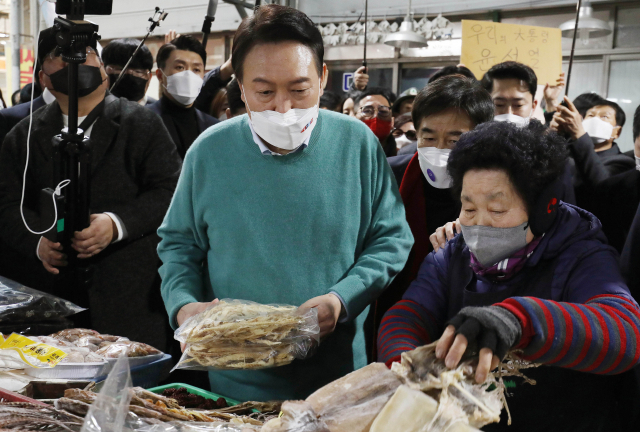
(194, 390)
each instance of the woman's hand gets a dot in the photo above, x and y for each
(189, 310)
(492, 330)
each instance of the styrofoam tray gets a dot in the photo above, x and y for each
(69, 371)
(137, 361)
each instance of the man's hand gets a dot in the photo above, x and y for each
(226, 70)
(329, 307)
(361, 79)
(552, 93)
(94, 239)
(51, 255)
(170, 36)
(445, 233)
(570, 120)
(189, 310)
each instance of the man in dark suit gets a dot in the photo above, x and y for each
(135, 168)
(9, 117)
(135, 83)
(180, 72)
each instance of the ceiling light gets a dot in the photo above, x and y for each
(588, 26)
(406, 37)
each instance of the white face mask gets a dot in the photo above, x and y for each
(512, 118)
(598, 129)
(286, 131)
(433, 163)
(403, 141)
(184, 86)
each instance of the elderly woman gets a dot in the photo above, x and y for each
(531, 273)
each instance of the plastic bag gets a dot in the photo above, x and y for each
(199, 427)
(111, 408)
(18, 351)
(238, 334)
(19, 303)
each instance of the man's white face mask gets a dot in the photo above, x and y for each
(286, 131)
(598, 129)
(184, 86)
(433, 163)
(512, 118)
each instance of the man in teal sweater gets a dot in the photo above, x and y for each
(285, 205)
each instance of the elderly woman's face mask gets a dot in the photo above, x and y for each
(494, 218)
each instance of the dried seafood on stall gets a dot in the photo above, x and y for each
(148, 405)
(297, 416)
(234, 334)
(113, 350)
(26, 416)
(460, 399)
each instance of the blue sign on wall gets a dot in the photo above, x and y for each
(347, 79)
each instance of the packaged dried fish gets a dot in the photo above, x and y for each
(20, 304)
(238, 334)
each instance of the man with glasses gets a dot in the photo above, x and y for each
(135, 83)
(373, 108)
(134, 171)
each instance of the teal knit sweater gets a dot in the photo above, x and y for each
(285, 229)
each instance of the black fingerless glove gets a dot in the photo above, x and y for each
(491, 327)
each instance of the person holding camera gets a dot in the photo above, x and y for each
(135, 168)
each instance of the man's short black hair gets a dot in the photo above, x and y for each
(330, 100)
(234, 97)
(585, 102)
(511, 70)
(183, 43)
(273, 23)
(453, 91)
(532, 156)
(621, 117)
(118, 52)
(371, 91)
(452, 70)
(636, 124)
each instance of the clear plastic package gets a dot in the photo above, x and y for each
(19, 303)
(239, 334)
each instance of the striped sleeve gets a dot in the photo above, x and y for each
(404, 327)
(600, 336)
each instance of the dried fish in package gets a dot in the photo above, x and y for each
(238, 334)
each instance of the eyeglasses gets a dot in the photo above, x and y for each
(370, 111)
(140, 73)
(410, 134)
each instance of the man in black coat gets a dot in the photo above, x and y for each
(180, 71)
(135, 169)
(135, 82)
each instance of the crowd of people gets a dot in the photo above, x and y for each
(466, 212)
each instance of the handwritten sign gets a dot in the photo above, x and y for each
(485, 44)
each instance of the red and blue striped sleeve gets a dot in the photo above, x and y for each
(600, 336)
(406, 326)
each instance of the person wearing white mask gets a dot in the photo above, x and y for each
(512, 86)
(181, 65)
(444, 110)
(404, 133)
(287, 204)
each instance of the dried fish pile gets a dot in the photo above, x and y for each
(22, 416)
(236, 334)
(150, 406)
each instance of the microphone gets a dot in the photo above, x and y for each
(208, 19)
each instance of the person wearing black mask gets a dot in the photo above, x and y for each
(180, 71)
(134, 171)
(135, 83)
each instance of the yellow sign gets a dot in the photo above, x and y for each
(485, 44)
(33, 353)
